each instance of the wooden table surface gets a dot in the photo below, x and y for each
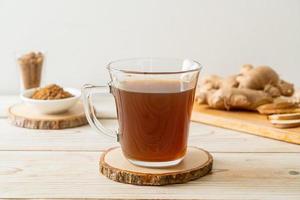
(64, 164)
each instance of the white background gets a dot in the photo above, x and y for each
(81, 36)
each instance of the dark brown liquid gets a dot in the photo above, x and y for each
(153, 119)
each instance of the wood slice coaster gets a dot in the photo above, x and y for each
(24, 116)
(115, 166)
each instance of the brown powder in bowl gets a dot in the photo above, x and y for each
(51, 92)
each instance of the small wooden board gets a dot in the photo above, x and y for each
(115, 166)
(23, 116)
(249, 122)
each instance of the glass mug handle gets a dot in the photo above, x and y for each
(87, 91)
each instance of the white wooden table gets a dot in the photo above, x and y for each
(64, 164)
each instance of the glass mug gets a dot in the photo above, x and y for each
(154, 99)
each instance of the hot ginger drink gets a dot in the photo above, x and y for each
(154, 118)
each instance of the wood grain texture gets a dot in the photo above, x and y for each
(47, 164)
(24, 116)
(210, 138)
(249, 122)
(197, 163)
(76, 175)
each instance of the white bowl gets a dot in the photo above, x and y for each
(51, 106)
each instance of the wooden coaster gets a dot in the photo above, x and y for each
(115, 166)
(24, 116)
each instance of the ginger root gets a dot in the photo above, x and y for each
(236, 98)
(264, 78)
(211, 83)
(286, 88)
(257, 78)
(251, 88)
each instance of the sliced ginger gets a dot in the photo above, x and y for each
(278, 108)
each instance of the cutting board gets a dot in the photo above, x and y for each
(248, 122)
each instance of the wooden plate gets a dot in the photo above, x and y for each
(23, 116)
(115, 166)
